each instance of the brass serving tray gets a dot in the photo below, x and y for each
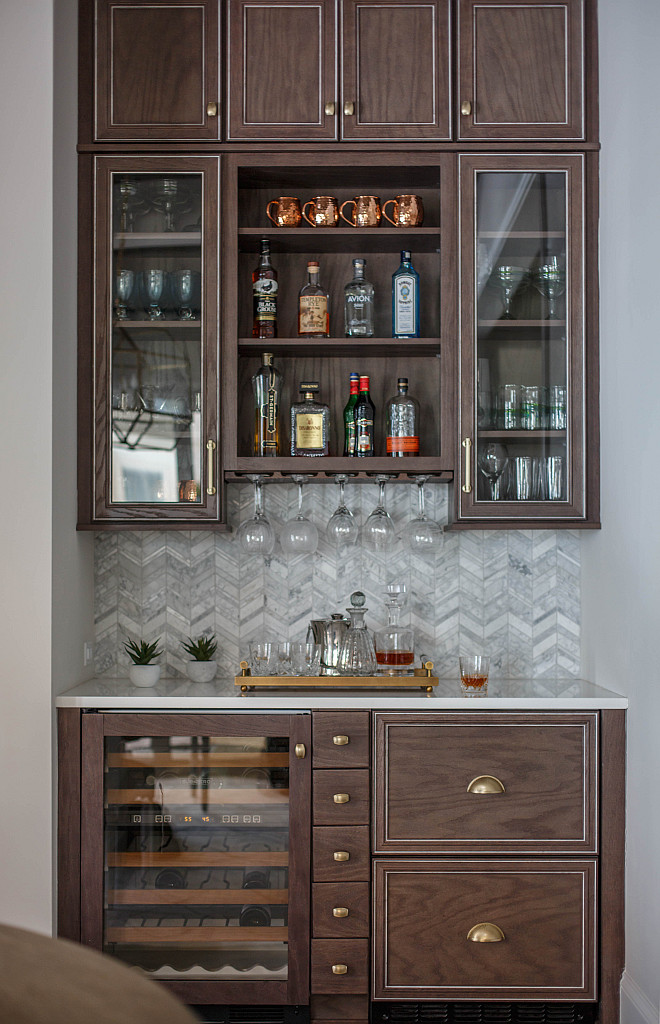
(412, 682)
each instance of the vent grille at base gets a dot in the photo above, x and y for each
(484, 1013)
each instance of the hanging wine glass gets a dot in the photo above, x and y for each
(299, 536)
(378, 532)
(421, 534)
(256, 536)
(492, 461)
(342, 530)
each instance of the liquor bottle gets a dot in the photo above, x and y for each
(267, 388)
(310, 423)
(264, 295)
(313, 306)
(359, 304)
(364, 421)
(349, 416)
(405, 299)
(402, 422)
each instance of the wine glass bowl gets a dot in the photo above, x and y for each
(508, 279)
(492, 461)
(422, 535)
(170, 199)
(378, 533)
(124, 282)
(550, 279)
(342, 530)
(183, 286)
(153, 283)
(256, 536)
(299, 536)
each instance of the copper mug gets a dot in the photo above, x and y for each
(366, 212)
(325, 212)
(287, 212)
(408, 212)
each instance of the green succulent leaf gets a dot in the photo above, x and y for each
(142, 653)
(201, 649)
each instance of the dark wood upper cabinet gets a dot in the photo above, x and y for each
(521, 69)
(281, 70)
(396, 70)
(157, 70)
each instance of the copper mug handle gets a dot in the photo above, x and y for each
(382, 210)
(304, 212)
(341, 211)
(269, 214)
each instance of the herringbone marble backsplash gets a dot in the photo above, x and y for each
(514, 595)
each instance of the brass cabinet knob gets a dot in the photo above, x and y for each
(340, 741)
(339, 969)
(485, 932)
(341, 798)
(300, 750)
(466, 108)
(329, 110)
(349, 108)
(341, 856)
(486, 784)
(340, 911)
(212, 109)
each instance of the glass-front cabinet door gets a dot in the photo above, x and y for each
(156, 365)
(204, 863)
(522, 334)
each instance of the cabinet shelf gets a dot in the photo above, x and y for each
(157, 240)
(523, 435)
(178, 797)
(340, 239)
(190, 760)
(151, 325)
(524, 324)
(340, 464)
(196, 897)
(521, 234)
(202, 935)
(339, 346)
(217, 859)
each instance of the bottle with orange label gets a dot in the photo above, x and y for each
(402, 422)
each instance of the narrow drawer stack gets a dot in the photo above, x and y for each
(341, 867)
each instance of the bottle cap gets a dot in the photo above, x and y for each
(405, 254)
(355, 376)
(265, 244)
(267, 358)
(311, 386)
(312, 264)
(402, 383)
(364, 383)
(359, 262)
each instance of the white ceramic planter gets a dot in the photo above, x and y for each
(144, 675)
(201, 671)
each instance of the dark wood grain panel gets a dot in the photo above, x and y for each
(329, 1007)
(353, 783)
(352, 896)
(353, 840)
(612, 861)
(425, 909)
(350, 953)
(68, 823)
(92, 845)
(546, 763)
(353, 724)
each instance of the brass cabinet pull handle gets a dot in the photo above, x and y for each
(340, 741)
(339, 969)
(340, 911)
(341, 798)
(341, 856)
(210, 447)
(485, 932)
(300, 750)
(467, 485)
(486, 784)
(466, 108)
(212, 109)
(330, 110)
(349, 108)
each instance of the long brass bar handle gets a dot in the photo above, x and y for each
(486, 784)
(210, 448)
(485, 932)
(467, 476)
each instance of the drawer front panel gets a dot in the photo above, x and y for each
(341, 739)
(425, 910)
(542, 769)
(329, 955)
(341, 797)
(329, 847)
(340, 910)
(344, 1008)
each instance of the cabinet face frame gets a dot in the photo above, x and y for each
(200, 126)
(582, 504)
(95, 406)
(472, 70)
(95, 727)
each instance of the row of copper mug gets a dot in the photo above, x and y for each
(325, 211)
(523, 407)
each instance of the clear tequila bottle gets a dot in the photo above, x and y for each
(359, 304)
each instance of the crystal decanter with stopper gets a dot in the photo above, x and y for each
(357, 656)
(395, 648)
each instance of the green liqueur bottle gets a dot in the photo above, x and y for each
(364, 421)
(349, 416)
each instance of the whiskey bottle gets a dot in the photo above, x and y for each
(359, 304)
(364, 421)
(402, 422)
(349, 416)
(310, 423)
(313, 306)
(405, 299)
(264, 295)
(267, 388)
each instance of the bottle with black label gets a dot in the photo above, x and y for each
(364, 421)
(264, 295)
(267, 388)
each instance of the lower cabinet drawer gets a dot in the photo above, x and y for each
(340, 966)
(341, 854)
(485, 929)
(340, 910)
(344, 1008)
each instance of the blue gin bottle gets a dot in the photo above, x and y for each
(405, 299)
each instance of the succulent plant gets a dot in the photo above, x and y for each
(201, 649)
(142, 653)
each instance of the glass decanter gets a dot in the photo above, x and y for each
(357, 656)
(395, 648)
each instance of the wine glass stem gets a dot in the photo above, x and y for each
(300, 487)
(420, 501)
(495, 488)
(258, 507)
(341, 493)
(381, 496)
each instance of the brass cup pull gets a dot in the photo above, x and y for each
(466, 108)
(341, 798)
(349, 108)
(467, 485)
(485, 932)
(486, 784)
(210, 448)
(300, 750)
(341, 856)
(212, 109)
(340, 911)
(329, 110)
(339, 969)
(340, 741)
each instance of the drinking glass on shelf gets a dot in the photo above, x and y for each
(170, 199)
(523, 477)
(553, 477)
(124, 282)
(508, 280)
(306, 659)
(492, 461)
(284, 658)
(378, 532)
(550, 279)
(557, 407)
(299, 536)
(256, 536)
(342, 530)
(130, 202)
(262, 657)
(474, 674)
(422, 535)
(153, 283)
(531, 407)
(508, 406)
(183, 286)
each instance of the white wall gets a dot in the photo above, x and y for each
(621, 564)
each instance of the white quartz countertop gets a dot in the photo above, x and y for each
(223, 695)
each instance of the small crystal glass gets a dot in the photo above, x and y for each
(263, 656)
(474, 674)
(306, 659)
(284, 658)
